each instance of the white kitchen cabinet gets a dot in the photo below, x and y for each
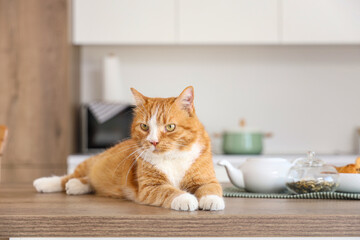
(320, 21)
(123, 21)
(228, 21)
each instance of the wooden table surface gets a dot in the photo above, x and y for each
(26, 213)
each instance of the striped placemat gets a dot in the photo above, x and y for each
(241, 193)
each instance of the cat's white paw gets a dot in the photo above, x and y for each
(76, 187)
(48, 184)
(212, 203)
(185, 202)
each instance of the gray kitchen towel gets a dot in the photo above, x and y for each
(104, 111)
(241, 193)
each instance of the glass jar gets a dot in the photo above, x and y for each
(310, 174)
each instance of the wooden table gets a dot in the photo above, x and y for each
(25, 213)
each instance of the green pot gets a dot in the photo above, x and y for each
(243, 142)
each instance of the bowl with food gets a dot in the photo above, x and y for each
(349, 177)
(349, 182)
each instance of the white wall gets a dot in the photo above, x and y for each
(306, 95)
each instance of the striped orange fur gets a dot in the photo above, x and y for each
(159, 165)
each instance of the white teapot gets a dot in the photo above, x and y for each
(262, 175)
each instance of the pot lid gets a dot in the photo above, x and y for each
(242, 128)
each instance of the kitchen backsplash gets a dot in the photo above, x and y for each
(307, 96)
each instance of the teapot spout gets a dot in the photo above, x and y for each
(235, 175)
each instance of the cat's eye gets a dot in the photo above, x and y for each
(170, 127)
(144, 126)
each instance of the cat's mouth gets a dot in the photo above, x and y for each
(152, 149)
(156, 150)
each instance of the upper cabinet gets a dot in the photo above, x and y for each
(228, 21)
(216, 21)
(123, 21)
(321, 21)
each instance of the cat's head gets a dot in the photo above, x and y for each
(164, 124)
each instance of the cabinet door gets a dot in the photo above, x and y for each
(228, 21)
(321, 21)
(123, 21)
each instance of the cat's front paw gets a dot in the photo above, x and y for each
(76, 187)
(48, 184)
(212, 203)
(185, 202)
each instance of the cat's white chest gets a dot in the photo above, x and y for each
(174, 164)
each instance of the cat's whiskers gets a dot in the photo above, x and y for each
(126, 147)
(123, 140)
(172, 146)
(178, 145)
(133, 165)
(119, 147)
(123, 149)
(146, 153)
(123, 160)
(117, 152)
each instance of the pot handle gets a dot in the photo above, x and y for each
(242, 122)
(217, 135)
(268, 134)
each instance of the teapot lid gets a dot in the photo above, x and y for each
(309, 161)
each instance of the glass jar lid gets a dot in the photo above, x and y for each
(309, 161)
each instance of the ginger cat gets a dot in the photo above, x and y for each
(167, 162)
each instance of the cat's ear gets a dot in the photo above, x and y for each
(139, 98)
(186, 99)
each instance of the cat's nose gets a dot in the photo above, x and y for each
(154, 143)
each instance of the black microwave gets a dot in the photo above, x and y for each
(104, 125)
